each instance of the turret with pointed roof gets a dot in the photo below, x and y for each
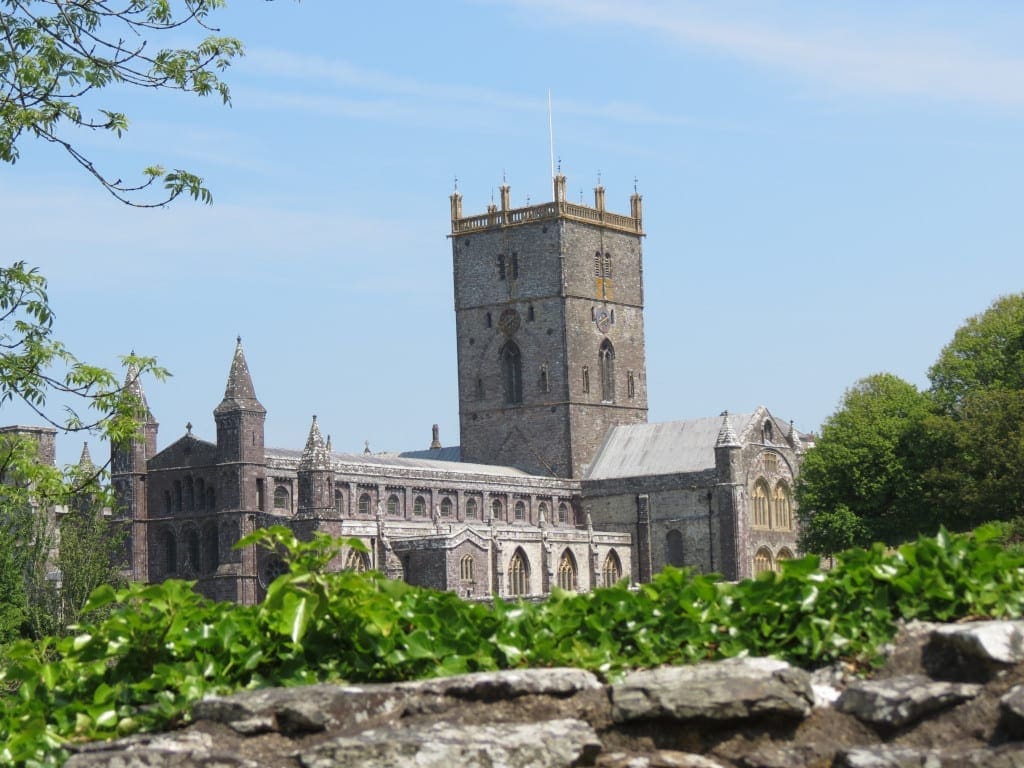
(128, 473)
(316, 477)
(240, 415)
(85, 464)
(240, 418)
(239, 394)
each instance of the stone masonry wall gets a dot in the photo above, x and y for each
(948, 697)
(534, 285)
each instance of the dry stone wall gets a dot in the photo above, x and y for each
(947, 696)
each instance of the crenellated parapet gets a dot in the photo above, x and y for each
(559, 208)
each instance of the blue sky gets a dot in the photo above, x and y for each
(830, 189)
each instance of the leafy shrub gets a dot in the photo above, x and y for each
(163, 647)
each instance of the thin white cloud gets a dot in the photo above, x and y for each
(173, 245)
(862, 50)
(372, 94)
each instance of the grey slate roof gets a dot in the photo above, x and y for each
(439, 461)
(671, 447)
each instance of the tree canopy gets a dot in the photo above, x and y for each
(40, 371)
(856, 477)
(55, 55)
(893, 462)
(986, 353)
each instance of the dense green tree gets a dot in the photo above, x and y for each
(973, 446)
(91, 549)
(986, 353)
(893, 462)
(55, 54)
(37, 369)
(855, 485)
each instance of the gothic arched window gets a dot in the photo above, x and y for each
(496, 509)
(606, 360)
(339, 501)
(190, 494)
(519, 574)
(419, 506)
(783, 508)
(466, 568)
(357, 561)
(193, 562)
(520, 510)
(563, 512)
(282, 498)
(763, 561)
(393, 504)
(170, 552)
(611, 571)
(471, 507)
(512, 372)
(759, 501)
(674, 548)
(567, 571)
(364, 504)
(446, 507)
(211, 543)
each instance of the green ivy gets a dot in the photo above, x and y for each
(163, 647)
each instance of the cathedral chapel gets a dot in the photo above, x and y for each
(558, 480)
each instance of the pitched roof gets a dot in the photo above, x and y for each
(671, 447)
(440, 460)
(239, 394)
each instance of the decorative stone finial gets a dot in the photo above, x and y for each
(726, 435)
(85, 462)
(314, 455)
(188, 428)
(435, 441)
(239, 394)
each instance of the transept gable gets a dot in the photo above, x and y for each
(186, 451)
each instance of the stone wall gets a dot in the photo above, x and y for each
(947, 696)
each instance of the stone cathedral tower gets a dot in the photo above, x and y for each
(128, 473)
(550, 330)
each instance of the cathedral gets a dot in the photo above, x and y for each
(558, 480)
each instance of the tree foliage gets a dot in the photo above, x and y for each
(855, 485)
(164, 647)
(55, 55)
(35, 367)
(893, 462)
(68, 395)
(986, 353)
